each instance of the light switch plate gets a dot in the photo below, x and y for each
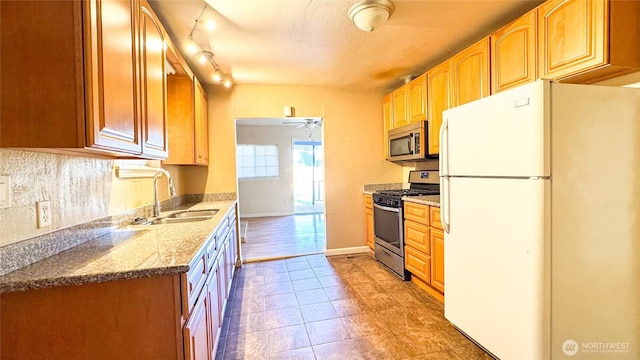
(5, 192)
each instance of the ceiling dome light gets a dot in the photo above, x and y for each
(368, 15)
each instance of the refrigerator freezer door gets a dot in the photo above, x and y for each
(494, 266)
(506, 134)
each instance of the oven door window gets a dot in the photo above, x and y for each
(388, 228)
(400, 146)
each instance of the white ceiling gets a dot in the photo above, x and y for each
(313, 42)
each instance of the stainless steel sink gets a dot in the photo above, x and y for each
(194, 213)
(182, 216)
(173, 220)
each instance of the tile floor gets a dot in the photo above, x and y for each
(341, 307)
(280, 236)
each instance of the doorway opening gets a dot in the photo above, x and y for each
(308, 176)
(280, 169)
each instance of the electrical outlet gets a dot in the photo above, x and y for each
(43, 210)
(5, 192)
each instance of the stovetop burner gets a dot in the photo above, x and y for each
(409, 192)
(421, 183)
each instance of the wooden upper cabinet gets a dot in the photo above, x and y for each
(154, 82)
(187, 115)
(585, 41)
(438, 100)
(400, 112)
(112, 116)
(470, 74)
(181, 120)
(201, 125)
(418, 98)
(102, 92)
(387, 115)
(514, 53)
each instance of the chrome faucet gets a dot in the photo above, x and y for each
(172, 190)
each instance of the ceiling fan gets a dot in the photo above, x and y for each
(307, 123)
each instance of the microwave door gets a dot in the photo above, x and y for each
(401, 146)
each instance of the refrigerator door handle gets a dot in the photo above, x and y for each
(445, 206)
(444, 173)
(444, 147)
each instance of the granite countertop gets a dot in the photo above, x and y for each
(431, 200)
(130, 252)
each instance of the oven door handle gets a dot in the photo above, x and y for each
(386, 208)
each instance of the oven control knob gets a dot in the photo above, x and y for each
(396, 203)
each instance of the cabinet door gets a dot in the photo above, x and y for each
(400, 116)
(418, 98)
(369, 230)
(434, 217)
(514, 53)
(572, 36)
(201, 125)
(215, 322)
(153, 91)
(437, 259)
(222, 272)
(387, 115)
(111, 81)
(196, 332)
(470, 73)
(438, 100)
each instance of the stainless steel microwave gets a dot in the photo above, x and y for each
(409, 143)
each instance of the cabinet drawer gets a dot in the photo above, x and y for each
(192, 282)
(416, 212)
(418, 263)
(417, 236)
(434, 215)
(368, 203)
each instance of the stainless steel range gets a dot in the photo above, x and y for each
(388, 218)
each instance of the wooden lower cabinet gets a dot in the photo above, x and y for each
(368, 211)
(437, 255)
(424, 247)
(418, 263)
(196, 332)
(171, 317)
(215, 313)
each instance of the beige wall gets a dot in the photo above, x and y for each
(352, 138)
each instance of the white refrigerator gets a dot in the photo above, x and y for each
(540, 201)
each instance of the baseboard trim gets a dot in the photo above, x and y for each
(246, 216)
(348, 250)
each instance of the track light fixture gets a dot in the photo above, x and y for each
(206, 56)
